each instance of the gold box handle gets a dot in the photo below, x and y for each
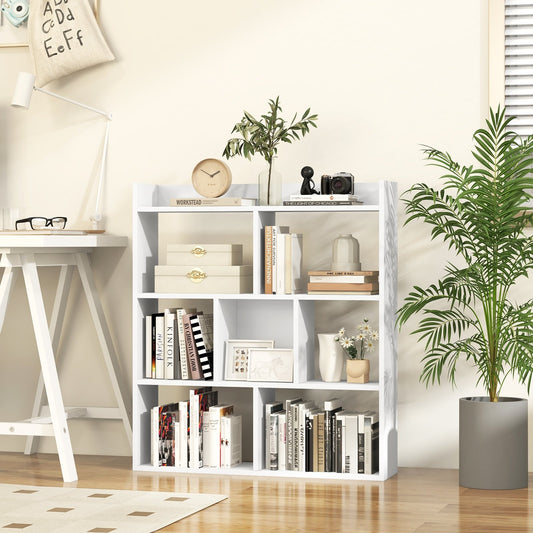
(196, 275)
(198, 251)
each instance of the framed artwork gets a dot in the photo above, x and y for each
(12, 36)
(237, 353)
(274, 364)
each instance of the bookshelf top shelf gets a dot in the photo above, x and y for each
(150, 198)
(252, 296)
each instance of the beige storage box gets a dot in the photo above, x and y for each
(204, 254)
(216, 279)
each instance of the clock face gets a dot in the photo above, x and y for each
(211, 178)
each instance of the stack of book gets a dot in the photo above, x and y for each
(196, 433)
(323, 199)
(283, 261)
(301, 436)
(179, 345)
(338, 282)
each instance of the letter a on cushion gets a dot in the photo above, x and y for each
(64, 37)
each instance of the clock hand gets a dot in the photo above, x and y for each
(206, 172)
(212, 175)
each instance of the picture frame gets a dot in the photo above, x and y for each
(12, 37)
(274, 364)
(237, 355)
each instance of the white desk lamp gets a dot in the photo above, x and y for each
(22, 97)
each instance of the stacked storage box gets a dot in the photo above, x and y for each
(203, 268)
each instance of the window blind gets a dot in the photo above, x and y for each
(519, 64)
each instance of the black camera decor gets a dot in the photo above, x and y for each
(340, 183)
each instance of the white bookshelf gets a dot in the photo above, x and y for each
(289, 319)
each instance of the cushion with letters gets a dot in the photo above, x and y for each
(64, 37)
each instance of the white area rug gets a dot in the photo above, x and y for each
(65, 510)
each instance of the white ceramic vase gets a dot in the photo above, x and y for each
(345, 253)
(330, 357)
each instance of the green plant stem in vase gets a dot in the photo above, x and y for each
(262, 136)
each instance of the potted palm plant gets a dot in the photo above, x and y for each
(469, 312)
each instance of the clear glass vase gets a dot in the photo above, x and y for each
(269, 186)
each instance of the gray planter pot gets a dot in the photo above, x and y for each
(493, 443)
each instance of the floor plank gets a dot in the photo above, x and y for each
(414, 501)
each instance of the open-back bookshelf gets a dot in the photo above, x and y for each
(289, 319)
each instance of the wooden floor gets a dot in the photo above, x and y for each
(416, 500)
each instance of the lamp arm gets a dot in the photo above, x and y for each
(79, 104)
(97, 217)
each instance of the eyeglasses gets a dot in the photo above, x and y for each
(37, 223)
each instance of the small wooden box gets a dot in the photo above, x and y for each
(204, 254)
(215, 279)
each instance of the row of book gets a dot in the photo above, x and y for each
(340, 282)
(301, 436)
(283, 261)
(196, 433)
(179, 345)
(323, 199)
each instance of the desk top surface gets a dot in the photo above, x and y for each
(90, 240)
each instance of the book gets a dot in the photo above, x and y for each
(273, 441)
(289, 461)
(231, 440)
(222, 201)
(270, 408)
(321, 456)
(183, 435)
(193, 363)
(159, 321)
(172, 371)
(361, 443)
(298, 429)
(282, 440)
(154, 434)
(216, 412)
(44, 232)
(276, 231)
(167, 418)
(148, 354)
(322, 202)
(371, 442)
(315, 419)
(182, 347)
(330, 408)
(324, 197)
(334, 273)
(199, 401)
(294, 282)
(359, 293)
(306, 439)
(341, 287)
(350, 453)
(204, 344)
(268, 259)
(200, 348)
(340, 448)
(343, 279)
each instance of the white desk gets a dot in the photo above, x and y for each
(25, 253)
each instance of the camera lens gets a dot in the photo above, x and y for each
(339, 185)
(324, 184)
(21, 9)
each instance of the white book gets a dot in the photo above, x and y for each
(216, 412)
(323, 197)
(184, 445)
(342, 279)
(205, 437)
(177, 441)
(269, 409)
(172, 371)
(148, 347)
(282, 440)
(294, 280)
(350, 458)
(276, 231)
(303, 411)
(280, 264)
(160, 346)
(154, 448)
(231, 429)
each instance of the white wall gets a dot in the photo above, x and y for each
(384, 78)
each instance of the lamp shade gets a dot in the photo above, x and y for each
(23, 90)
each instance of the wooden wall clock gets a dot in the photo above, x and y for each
(211, 178)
